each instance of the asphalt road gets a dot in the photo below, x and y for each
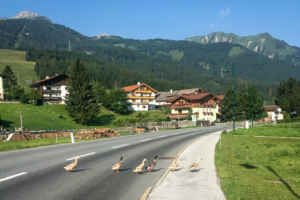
(45, 178)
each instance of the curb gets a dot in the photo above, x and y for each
(149, 189)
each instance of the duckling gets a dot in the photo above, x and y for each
(71, 166)
(140, 167)
(193, 166)
(173, 166)
(152, 165)
(118, 165)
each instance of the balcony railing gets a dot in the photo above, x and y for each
(52, 98)
(181, 106)
(51, 91)
(140, 103)
(141, 91)
(140, 97)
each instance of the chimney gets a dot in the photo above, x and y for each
(171, 91)
(138, 83)
(47, 77)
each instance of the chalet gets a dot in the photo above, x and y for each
(164, 98)
(273, 112)
(1, 86)
(204, 106)
(53, 89)
(141, 97)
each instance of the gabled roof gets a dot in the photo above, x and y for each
(164, 96)
(221, 96)
(47, 79)
(196, 96)
(271, 107)
(133, 87)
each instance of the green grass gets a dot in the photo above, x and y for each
(120, 45)
(16, 60)
(14, 145)
(280, 130)
(249, 174)
(235, 51)
(176, 54)
(46, 117)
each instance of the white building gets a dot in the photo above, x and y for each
(53, 89)
(1, 86)
(141, 97)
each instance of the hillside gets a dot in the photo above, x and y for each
(16, 60)
(262, 43)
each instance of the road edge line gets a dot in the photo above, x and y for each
(149, 189)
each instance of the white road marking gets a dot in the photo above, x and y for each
(81, 156)
(10, 177)
(120, 146)
(163, 136)
(145, 140)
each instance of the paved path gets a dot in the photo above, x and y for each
(202, 184)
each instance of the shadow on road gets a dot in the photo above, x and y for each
(196, 170)
(156, 170)
(121, 170)
(285, 183)
(176, 170)
(81, 170)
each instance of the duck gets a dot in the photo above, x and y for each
(194, 166)
(140, 167)
(118, 165)
(152, 165)
(173, 166)
(71, 166)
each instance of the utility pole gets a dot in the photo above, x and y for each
(21, 118)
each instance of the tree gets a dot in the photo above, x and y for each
(101, 94)
(23, 99)
(189, 117)
(227, 107)
(80, 102)
(10, 79)
(294, 100)
(119, 103)
(245, 102)
(16, 92)
(285, 89)
(34, 96)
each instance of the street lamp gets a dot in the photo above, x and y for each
(225, 71)
(247, 93)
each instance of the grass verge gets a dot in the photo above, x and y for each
(253, 168)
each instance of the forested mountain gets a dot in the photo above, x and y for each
(51, 62)
(262, 43)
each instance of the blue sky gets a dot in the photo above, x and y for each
(140, 19)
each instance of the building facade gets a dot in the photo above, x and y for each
(53, 89)
(203, 105)
(1, 86)
(273, 112)
(141, 97)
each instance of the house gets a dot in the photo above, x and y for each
(53, 89)
(273, 112)
(164, 98)
(204, 106)
(141, 97)
(1, 86)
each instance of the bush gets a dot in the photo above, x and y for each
(287, 115)
(132, 120)
(61, 117)
(23, 99)
(119, 123)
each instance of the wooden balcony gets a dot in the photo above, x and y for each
(140, 97)
(143, 91)
(51, 91)
(141, 103)
(181, 106)
(52, 98)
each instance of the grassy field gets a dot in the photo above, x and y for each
(46, 117)
(13, 145)
(253, 168)
(280, 130)
(16, 60)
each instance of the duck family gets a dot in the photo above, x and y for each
(139, 168)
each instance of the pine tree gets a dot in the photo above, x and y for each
(80, 102)
(10, 79)
(227, 107)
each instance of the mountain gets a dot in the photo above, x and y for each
(30, 15)
(262, 43)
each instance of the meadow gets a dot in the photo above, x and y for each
(260, 168)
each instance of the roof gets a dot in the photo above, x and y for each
(164, 95)
(47, 79)
(132, 87)
(196, 96)
(271, 107)
(221, 96)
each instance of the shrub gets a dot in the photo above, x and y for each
(119, 123)
(132, 120)
(287, 115)
(61, 117)
(23, 99)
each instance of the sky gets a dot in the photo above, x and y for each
(176, 19)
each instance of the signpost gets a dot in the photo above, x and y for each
(194, 119)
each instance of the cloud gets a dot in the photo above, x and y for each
(225, 12)
(212, 25)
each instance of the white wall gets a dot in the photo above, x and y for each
(140, 108)
(1, 88)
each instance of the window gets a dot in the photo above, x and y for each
(144, 106)
(48, 88)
